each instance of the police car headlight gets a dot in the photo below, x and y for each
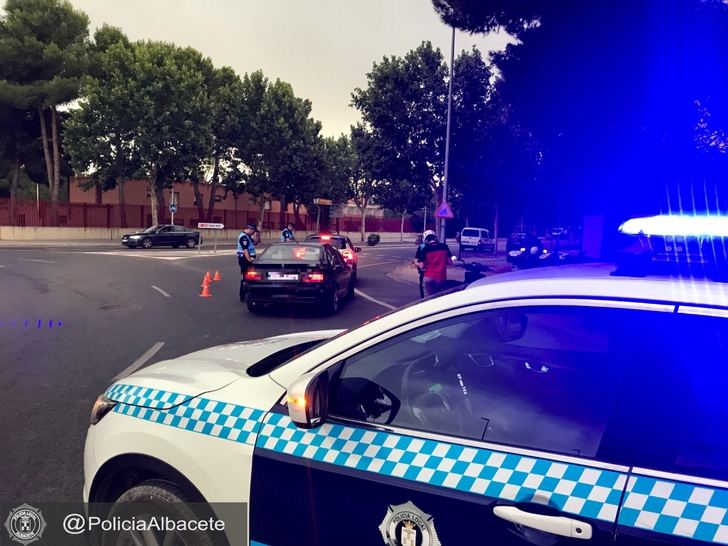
(102, 406)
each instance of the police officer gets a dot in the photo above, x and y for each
(246, 254)
(287, 234)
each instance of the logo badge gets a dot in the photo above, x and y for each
(407, 525)
(25, 524)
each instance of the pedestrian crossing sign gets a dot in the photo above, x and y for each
(444, 211)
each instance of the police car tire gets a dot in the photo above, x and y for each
(191, 243)
(171, 502)
(331, 305)
(146, 242)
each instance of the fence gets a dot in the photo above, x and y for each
(89, 215)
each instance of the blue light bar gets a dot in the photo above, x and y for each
(668, 224)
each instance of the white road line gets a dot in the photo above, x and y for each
(139, 362)
(161, 291)
(36, 260)
(375, 264)
(3, 265)
(373, 300)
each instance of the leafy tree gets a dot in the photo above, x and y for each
(370, 166)
(404, 108)
(610, 91)
(19, 147)
(43, 54)
(170, 111)
(101, 134)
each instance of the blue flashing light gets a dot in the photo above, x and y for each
(674, 224)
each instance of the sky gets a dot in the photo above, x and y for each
(324, 48)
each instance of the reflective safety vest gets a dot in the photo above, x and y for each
(287, 235)
(245, 242)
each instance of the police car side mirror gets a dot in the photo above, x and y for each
(307, 400)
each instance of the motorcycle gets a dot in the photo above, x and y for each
(525, 257)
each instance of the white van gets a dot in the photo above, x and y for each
(476, 238)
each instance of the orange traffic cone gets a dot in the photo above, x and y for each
(205, 287)
(208, 277)
(217, 276)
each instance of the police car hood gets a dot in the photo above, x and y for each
(171, 382)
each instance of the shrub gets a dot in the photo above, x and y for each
(373, 239)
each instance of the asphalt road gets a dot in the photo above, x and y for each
(109, 307)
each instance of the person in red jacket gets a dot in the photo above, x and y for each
(433, 259)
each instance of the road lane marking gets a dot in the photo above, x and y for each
(375, 264)
(3, 265)
(139, 362)
(37, 260)
(373, 300)
(161, 291)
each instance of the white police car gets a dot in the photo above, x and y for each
(546, 407)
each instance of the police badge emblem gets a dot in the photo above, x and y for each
(407, 525)
(25, 524)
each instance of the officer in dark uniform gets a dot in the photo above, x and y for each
(287, 234)
(246, 254)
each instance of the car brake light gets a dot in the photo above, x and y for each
(313, 277)
(326, 237)
(348, 255)
(252, 275)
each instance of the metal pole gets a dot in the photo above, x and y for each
(37, 199)
(447, 134)
(215, 251)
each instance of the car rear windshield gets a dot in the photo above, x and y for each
(336, 242)
(291, 253)
(471, 233)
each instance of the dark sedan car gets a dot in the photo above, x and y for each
(341, 243)
(306, 272)
(163, 235)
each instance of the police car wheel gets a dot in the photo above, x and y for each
(146, 242)
(191, 243)
(350, 289)
(159, 499)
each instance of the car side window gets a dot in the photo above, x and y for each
(334, 257)
(166, 229)
(543, 378)
(179, 229)
(676, 405)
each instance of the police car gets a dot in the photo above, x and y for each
(544, 407)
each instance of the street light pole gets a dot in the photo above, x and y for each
(447, 133)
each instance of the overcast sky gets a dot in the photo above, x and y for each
(324, 48)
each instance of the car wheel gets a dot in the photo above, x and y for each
(146, 242)
(191, 243)
(254, 307)
(160, 499)
(350, 289)
(332, 304)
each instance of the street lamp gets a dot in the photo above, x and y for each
(447, 133)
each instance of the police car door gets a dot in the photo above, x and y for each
(678, 490)
(480, 428)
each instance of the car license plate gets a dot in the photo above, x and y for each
(276, 276)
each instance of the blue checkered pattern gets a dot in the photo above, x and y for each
(587, 492)
(144, 396)
(693, 511)
(202, 415)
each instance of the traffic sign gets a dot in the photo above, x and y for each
(320, 201)
(207, 225)
(444, 211)
(173, 207)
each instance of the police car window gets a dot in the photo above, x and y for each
(676, 406)
(543, 378)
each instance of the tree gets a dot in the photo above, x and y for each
(404, 107)
(370, 166)
(19, 146)
(43, 54)
(609, 90)
(170, 111)
(101, 134)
